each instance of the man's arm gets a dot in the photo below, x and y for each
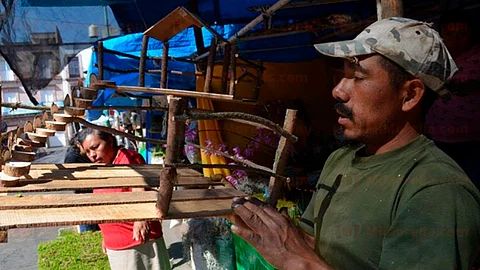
(273, 235)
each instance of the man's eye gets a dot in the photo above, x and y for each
(357, 78)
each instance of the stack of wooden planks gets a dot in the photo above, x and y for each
(23, 209)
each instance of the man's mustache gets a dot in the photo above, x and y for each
(344, 110)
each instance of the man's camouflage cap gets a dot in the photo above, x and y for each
(412, 44)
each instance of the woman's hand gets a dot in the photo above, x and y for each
(141, 231)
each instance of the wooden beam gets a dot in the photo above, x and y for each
(175, 133)
(89, 184)
(100, 60)
(163, 79)
(46, 217)
(197, 31)
(143, 61)
(173, 92)
(233, 71)
(99, 166)
(210, 66)
(1, 144)
(281, 158)
(391, 8)
(225, 67)
(90, 199)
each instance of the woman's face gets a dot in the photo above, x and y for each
(98, 150)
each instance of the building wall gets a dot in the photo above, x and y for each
(12, 90)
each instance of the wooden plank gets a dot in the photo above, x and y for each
(85, 199)
(85, 166)
(86, 184)
(87, 173)
(44, 217)
(172, 24)
(281, 157)
(143, 60)
(391, 8)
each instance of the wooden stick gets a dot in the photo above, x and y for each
(163, 79)
(143, 60)
(169, 174)
(180, 59)
(283, 151)
(256, 90)
(197, 31)
(173, 92)
(18, 105)
(1, 146)
(3, 236)
(391, 8)
(230, 167)
(115, 132)
(233, 70)
(210, 65)
(226, 66)
(100, 60)
(237, 115)
(241, 161)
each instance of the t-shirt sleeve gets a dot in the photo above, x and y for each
(426, 236)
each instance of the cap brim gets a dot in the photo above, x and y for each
(348, 48)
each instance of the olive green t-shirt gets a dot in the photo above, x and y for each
(411, 208)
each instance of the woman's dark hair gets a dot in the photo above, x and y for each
(107, 137)
(78, 138)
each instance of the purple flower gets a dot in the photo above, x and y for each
(237, 152)
(190, 148)
(239, 174)
(164, 145)
(190, 134)
(222, 148)
(248, 153)
(232, 180)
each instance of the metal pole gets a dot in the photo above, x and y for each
(105, 9)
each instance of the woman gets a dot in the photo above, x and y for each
(128, 245)
(76, 154)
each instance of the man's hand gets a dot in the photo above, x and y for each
(141, 231)
(273, 235)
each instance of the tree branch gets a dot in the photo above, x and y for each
(237, 115)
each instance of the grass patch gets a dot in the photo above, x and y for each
(73, 250)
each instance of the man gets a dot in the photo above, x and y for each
(396, 201)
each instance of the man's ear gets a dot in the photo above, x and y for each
(413, 91)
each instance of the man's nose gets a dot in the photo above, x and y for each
(340, 92)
